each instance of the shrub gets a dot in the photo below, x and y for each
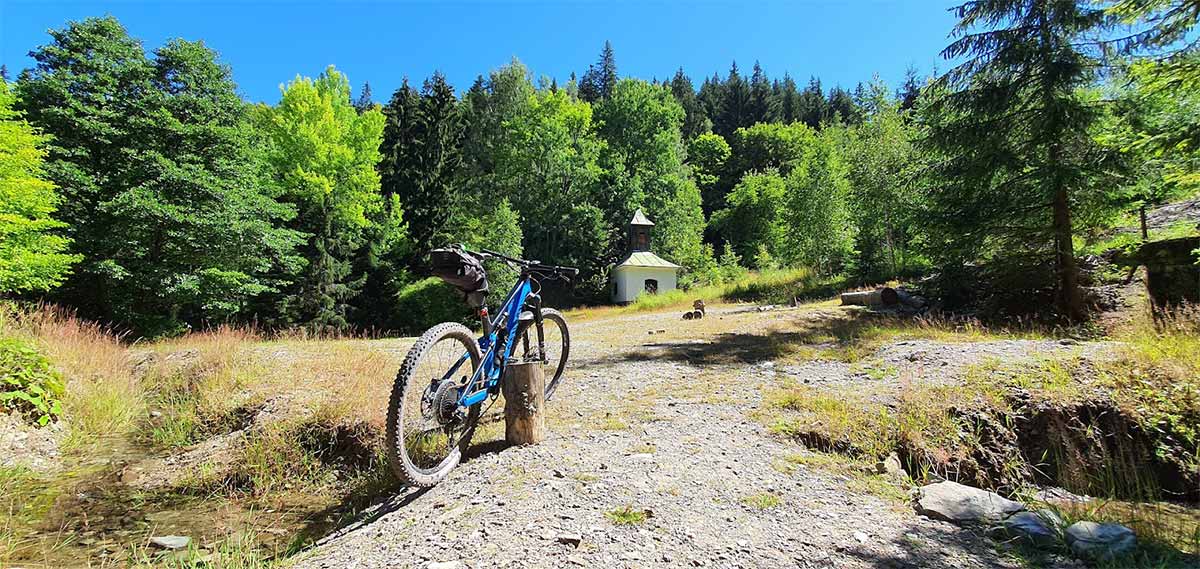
(30, 384)
(427, 302)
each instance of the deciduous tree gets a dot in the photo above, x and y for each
(32, 256)
(323, 154)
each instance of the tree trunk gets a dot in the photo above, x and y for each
(1070, 300)
(1142, 215)
(524, 400)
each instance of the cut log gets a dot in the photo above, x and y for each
(885, 296)
(524, 400)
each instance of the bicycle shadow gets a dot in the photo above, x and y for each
(374, 500)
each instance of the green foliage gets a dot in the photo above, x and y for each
(497, 228)
(752, 223)
(771, 147)
(184, 206)
(707, 155)
(1159, 132)
(729, 266)
(818, 211)
(1165, 25)
(546, 166)
(28, 382)
(323, 155)
(31, 256)
(881, 160)
(160, 177)
(427, 302)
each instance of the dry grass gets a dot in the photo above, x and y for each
(103, 398)
(859, 473)
(325, 401)
(868, 426)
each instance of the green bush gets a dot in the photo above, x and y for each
(427, 302)
(28, 383)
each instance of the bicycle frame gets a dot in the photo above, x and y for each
(487, 377)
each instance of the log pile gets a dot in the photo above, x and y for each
(883, 297)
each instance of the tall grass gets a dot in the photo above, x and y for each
(103, 398)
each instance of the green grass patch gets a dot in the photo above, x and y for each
(237, 551)
(761, 501)
(627, 516)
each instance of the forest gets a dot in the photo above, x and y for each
(140, 188)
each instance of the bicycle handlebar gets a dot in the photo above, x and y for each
(534, 266)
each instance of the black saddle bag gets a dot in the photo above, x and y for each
(459, 270)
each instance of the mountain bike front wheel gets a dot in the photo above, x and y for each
(557, 342)
(427, 431)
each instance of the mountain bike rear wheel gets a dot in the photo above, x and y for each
(427, 431)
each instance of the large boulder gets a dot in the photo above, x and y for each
(1100, 542)
(953, 502)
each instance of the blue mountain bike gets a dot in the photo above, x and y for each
(448, 374)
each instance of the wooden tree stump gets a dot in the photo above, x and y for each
(524, 400)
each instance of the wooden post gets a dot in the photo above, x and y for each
(524, 400)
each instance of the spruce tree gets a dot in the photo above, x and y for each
(607, 68)
(441, 153)
(421, 151)
(364, 101)
(760, 98)
(734, 112)
(601, 78)
(695, 121)
(910, 90)
(812, 104)
(789, 101)
(710, 96)
(1011, 135)
(841, 108)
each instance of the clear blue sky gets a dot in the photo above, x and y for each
(269, 42)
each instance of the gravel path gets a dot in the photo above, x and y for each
(641, 424)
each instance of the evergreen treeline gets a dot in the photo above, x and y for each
(158, 199)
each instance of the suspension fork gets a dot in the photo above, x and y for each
(533, 303)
